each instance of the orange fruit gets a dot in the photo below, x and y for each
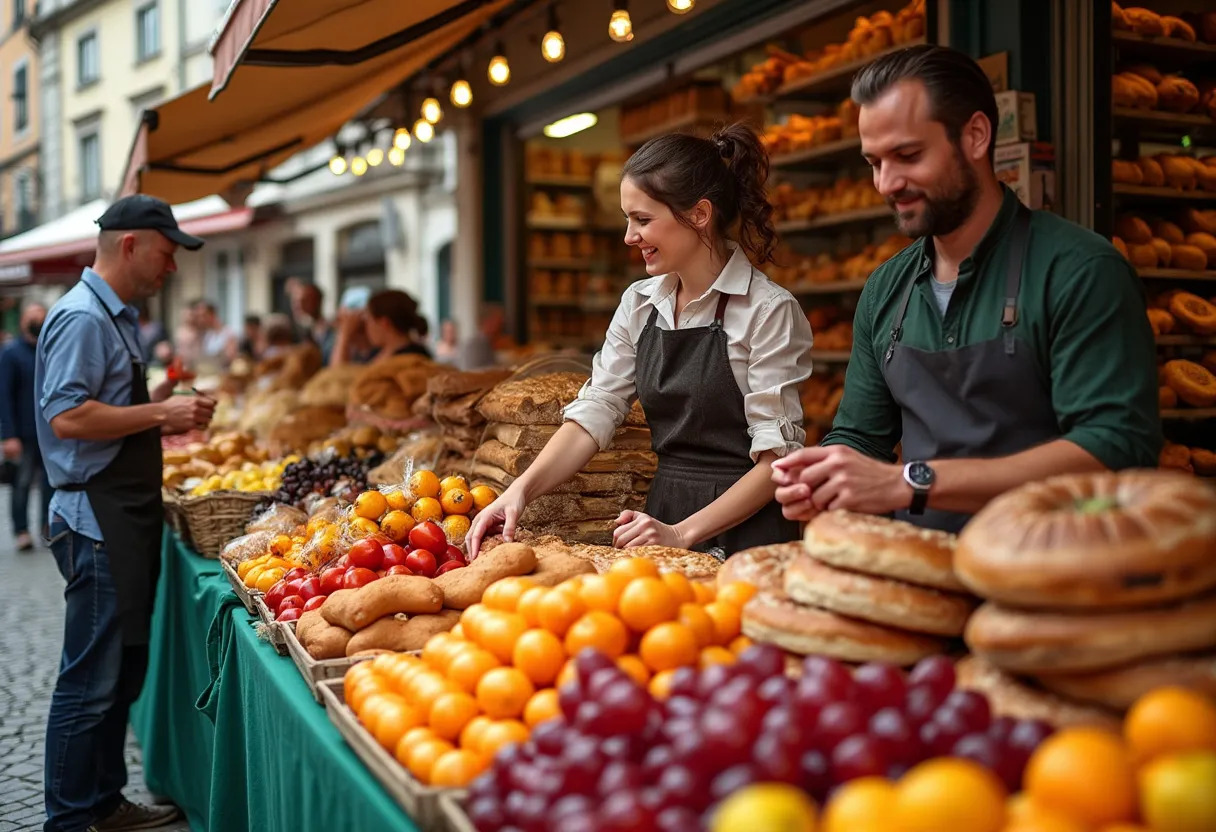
(736, 593)
(470, 736)
(456, 769)
(600, 630)
(602, 592)
(1121, 827)
(482, 496)
(568, 674)
(362, 527)
(1170, 720)
(704, 592)
(354, 675)
(424, 689)
(437, 651)
(421, 758)
(500, 733)
(402, 671)
(529, 604)
(411, 738)
(948, 793)
(1085, 774)
(371, 505)
(398, 500)
(635, 668)
(468, 666)
(680, 587)
(452, 482)
(558, 609)
(726, 620)
(456, 526)
(397, 524)
(268, 578)
(667, 646)
(540, 655)
(458, 632)
(660, 684)
(504, 594)
(384, 664)
(695, 618)
(864, 805)
(457, 501)
(634, 568)
(504, 692)
(362, 689)
(542, 707)
(426, 508)
(715, 654)
(739, 644)
(451, 713)
(1178, 792)
(647, 602)
(280, 545)
(497, 631)
(394, 719)
(424, 483)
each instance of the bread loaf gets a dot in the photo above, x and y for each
(1126, 172)
(1133, 91)
(1142, 255)
(1163, 252)
(1148, 72)
(1168, 231)
(1133, 230)
(1205, 243)
(1176, 27)
(1154, 176)
(516, 460)
(1118, 20)
(1144, 22)
(1119, 245)
(1175, 94)
(1188, 257)
(1179, 173)
(1194, 219)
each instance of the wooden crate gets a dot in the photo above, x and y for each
(238, 587)
(274, 629)
(313, 670)
(451, 807)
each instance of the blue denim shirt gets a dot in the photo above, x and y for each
(82, 356)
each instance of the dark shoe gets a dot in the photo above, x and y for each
(130, 815)
(24, 542)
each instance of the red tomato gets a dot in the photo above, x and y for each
(455, 554)
(289, 602)
(429, 536)
(275, 595)
(292, 587)
(357, 576)
(314, 602)
(394, 555)
(289, 614)
(310, 587)
(298, 572)
(343, 563)
(331, 579)
(449, 566)
(367, 553)
(399, 569)
(421, 562)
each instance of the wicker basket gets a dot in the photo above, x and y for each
(175, 517)
(214, 519)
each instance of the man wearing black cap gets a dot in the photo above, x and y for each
(100, 432)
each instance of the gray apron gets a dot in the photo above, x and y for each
(698, 429)
(988, 399)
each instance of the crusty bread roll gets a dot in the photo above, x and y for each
(1142, 255)
(1154, 176)
(1129, 90)
(1144, 22)
(1011, 697)
(1179, 173)
(1194, 219)
(1120, 687)
(1176, 27)
(1148, 72)
(1133, 229)
(1117, 19)
(1168, 231)
(1204, 461)
(1194, 383)
(1174, 455)
(761, 566)
(1161, 321)
(1092, 542)
(1193, 312)
(1163, 252)
(1126, 172)
(1188, 257)
(883, 547)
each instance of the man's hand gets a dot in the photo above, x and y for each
(12, 448)
(162, 391)
(794, 496)
(823, 478)
(634, 528)
(185, 413)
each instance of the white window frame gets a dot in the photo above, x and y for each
(21, 131)
(92, 131)
(81, 81)
(140, 11)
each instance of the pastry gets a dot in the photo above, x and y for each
(1203, 461)
(1179, 172)
(1193, 383)
(1093, 541)
(1188, 257)
(452, 384)
(1144, 22)
(1176, 27)
(1059, 642)
(1142, 255)
(1118, 20)
(536, 436)
(1133, 91)
(762, 566)
(772, 619)
(1154, 176)
(1120, 687)
(1168, 231)
(1176, 94)
(1126, 172)
(1193, 219)
(1174, 455)
(1164, 252)
(1133, 229)
(878, 600)
(1194, 312)
(1161, 321)
(883, 547)
(1148, 72)
(1013, 698)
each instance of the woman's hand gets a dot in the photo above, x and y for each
(635, 528)
(502, 513)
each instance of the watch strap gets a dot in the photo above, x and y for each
(920, 499)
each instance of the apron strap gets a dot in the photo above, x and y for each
(1013, 274)
(135, 362)
(720, 314)
(897, 326)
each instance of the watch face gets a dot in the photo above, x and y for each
(920, 474)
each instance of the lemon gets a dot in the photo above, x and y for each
(765, 807)
(1178, 793)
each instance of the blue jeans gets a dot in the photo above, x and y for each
(99, 678)
(30, 472)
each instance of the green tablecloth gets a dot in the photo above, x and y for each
(262, 754)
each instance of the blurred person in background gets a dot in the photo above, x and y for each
(447, 346)
(17, 428)
(392, 326)
(251, 339)
(153, 339)
(219, 345)
(482, 347)
(275, 336)
(307, 300)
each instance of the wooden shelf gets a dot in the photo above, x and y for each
(827, 288)
(552, 223)
(1189, 414)
(1176, 274)
(1172, 194)
(686, 122)
(1186, 340)
(830, 356)
(577, 182)
(1169, 49)
(862, 215)
(831, 83)
(559, 264)
(819, 156)
(1157, 123)
(569, 303)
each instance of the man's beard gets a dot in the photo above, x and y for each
(942, 213)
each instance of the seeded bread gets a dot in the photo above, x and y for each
(538, 400)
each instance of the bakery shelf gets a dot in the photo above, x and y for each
(1176, 274)
(574, 182)
(571, 303)
(862, 215)
(560, 264)
(676, 125)
(551, 223)
(1189, 414)
(828, 288)
(1186, 340)
(1167, 49)
(830, 356)
(1158, 123)
(1171, 194)
(832, 83)
(822, 155)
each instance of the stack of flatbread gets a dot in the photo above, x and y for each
(522, 415)
(450, 402)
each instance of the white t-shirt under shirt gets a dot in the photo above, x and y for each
(768, 345)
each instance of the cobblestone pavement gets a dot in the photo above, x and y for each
(31, 632)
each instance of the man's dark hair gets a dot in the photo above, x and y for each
(957, 87)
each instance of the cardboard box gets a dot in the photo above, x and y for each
(1016, 121)
(996, 67)
(1029, 169)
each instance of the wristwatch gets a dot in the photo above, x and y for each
(920, 476)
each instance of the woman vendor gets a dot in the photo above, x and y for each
(390, 323)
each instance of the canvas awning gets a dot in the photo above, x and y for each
(291, 74)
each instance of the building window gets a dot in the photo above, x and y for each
(21, 98)
(23, 199)
(88, 60)
(18, 13)
(147, 32)
(90, 166)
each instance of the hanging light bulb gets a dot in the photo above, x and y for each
(358, 166)
(499, 71)
(375, 156)
(337, 165)
(396, 157)
(401, 139)
(553, 45)
(431, 111)
(620, 27)
(423, 131)
(680, 6)
(462, 94)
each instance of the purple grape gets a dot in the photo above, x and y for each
(783, 720)
(680, 786)
(937, 673)
(896, 737)
(838, 680)
(763, 661)
(681, 705)
(684, 682)
(777, 759)
(939, 734)
(980, 748)
(836, 722)
(657, 760)
(816, 774)
(972, 707)
(678, 819)
(879, 686)
(549, 737)
(1029, 734)
(486, 814)
(858, 756)
(733, 779)
(1000, 727)
(777, 690)
(618, 776)
(589, 660)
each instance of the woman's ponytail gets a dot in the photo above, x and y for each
(747, 161)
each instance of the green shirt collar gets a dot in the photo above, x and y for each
(983, 250)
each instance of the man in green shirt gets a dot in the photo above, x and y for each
(1004, 346)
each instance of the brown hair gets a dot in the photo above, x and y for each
(397, 307)
(729, 169)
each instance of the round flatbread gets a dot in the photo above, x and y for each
(883, 547)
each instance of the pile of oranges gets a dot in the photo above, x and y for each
(261, 573)
(450, 502)
(495, 676)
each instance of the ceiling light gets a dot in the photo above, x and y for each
(358, 166)
(499, 71)
(431, 111)
(570, 125)
(553, 45)
(396, 157)
(620, 27)
(375, 156)
(423, 131)
(337, 165)
(462, 94)
(401, 139)
(680, 6)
